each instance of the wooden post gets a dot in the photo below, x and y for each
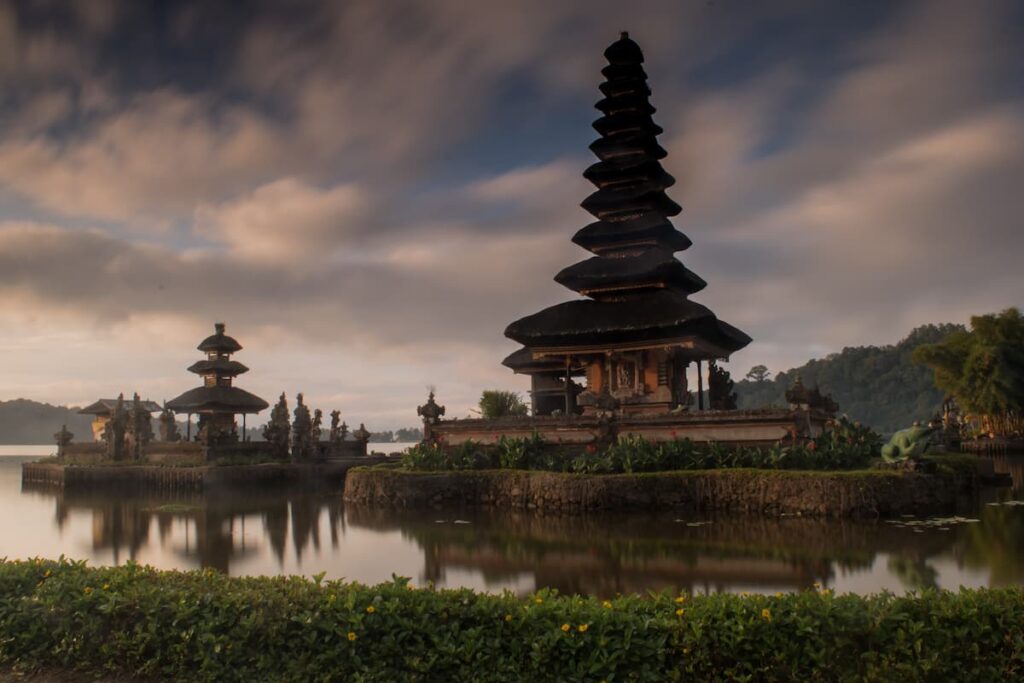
(244, 437)
(700, 387)
(568, 388)
(188, 428)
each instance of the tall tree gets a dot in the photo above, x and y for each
(497, 403)
(758, 373)
(877, 385)
(983, 368)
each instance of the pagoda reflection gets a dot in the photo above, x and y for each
(208, 532)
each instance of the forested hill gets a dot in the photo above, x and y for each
(29, 422)
(878, 385)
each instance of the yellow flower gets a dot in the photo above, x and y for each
(582, 628)
(766, 614)
(686, 650)
(566, 627)
(680, 612)
(538, 600)
(778, 595)
(826, 591)
(332, 597)
(106, 586)
(48, 573)
(351, 635)
(745, 594)
(88, 589)
(681, 599)
(371, 609)
(508, 617)
(606, 604)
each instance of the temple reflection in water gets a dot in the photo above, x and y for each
(282, 532)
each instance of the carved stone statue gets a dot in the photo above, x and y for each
(114, 431)
(720, 388)
(168, 426)
(908, 443)
(315, 431)
(302, 432)
(140, 429)
(334, 436)
(314, 435)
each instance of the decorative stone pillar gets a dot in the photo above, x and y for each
(431, 413)
(63, 438)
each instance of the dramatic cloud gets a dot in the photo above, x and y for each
(368, 192)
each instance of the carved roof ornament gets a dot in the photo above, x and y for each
(430, 411)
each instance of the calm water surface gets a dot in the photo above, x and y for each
(303, 533)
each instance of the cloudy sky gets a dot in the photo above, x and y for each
(367, 192)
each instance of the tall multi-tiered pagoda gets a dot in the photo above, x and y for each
(637, 331)
(217, 401)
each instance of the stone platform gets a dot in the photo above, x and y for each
(200, 478)
(863, 493)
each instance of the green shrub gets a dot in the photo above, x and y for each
(847, 445)
(203, 626)
(497, 403)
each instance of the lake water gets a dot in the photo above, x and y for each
(303, 533)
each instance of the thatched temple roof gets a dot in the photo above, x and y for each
(219, 399)
(106, 406)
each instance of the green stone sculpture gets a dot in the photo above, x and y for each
(908, 443)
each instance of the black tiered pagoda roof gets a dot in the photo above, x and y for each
(217, 395)
(638, 291)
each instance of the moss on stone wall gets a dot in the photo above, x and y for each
(861, 493)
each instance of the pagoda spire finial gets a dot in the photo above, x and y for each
(219, 328)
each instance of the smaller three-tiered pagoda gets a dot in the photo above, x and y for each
(217, 401)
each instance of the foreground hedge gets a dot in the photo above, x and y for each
(204, 626)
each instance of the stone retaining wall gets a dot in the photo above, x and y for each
(830, 494)
(761, 427)
(156, 479)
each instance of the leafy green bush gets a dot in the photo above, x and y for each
(497, 403)
(203, 626)
(847, 445)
